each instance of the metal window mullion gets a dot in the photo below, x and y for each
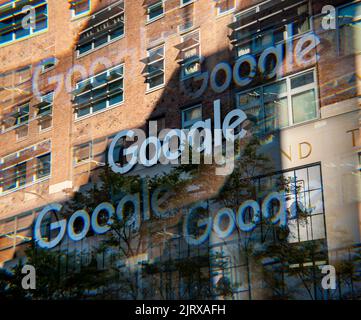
(289, 101)
(155, 61)
(337, 32)
(302, 89)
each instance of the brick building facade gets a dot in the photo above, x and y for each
(88, 69)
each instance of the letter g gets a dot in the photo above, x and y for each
(58, 224)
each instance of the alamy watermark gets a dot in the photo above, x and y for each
(29, 281)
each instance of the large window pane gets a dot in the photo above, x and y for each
(115, 99)
(5, 36)
(99, 105)
(350, 28)
(106, 90)
(117, 33)
(156, 81)
(43, 166)
(155, 10)
(191, 116)
(85, 47)
(304, 106)
(21, 174)
(83, 112)
(276, 114)
(102, 27)
(350, 38)
(100, 41)
(302, 80)
(250, 103)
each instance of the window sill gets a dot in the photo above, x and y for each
(79, 16)
(224, 14)
(21, 139)
(14, 128)
(82, 163)
(300, 124)
(87, 164)
(79, 56)
(43, 71)
(98, 112)
(187, 4)
(5, 193)
(148, 22)
(2, 45)
(148, 91)
(193, 75)
(45, 130)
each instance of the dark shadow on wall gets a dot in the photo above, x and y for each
(159, 262)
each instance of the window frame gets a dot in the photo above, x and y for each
(26, 115)
(16, 179)
(154, 49)
(36, 173)
(32, 31)
(90, 80)
(160, 2)
(39, 115)
(261, 33)
(220, 14)
(194, 59)
(183, 4)
(76, 161)
(185, 124)
(289, 94)
(50, 61)
(109, 40)
(338, 26)
(27, 162)
(83, 13)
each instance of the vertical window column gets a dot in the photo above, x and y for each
(154, 69)
(190, 54)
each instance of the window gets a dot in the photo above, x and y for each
(105, 26)
(191, 115)
(18, 117)
(96, 151)
(45, 111)
(15, 231)
(303, 189)
(22, 75)
(33, 161)
(118, 156)
(48, 64)
(267, 24)
(349, 28)
(154, 70)
(286, 102)
(43, 166)
(190, 55)
(155, 11)
(224, 6)
(99, 92)
(83, 153)
(11, 18)
(309, 196)
(22, 116)
(17, 78)
(184, 2)
(79, 7)
(14, 177)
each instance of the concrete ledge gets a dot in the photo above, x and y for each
(60, 187)
(341, 107)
